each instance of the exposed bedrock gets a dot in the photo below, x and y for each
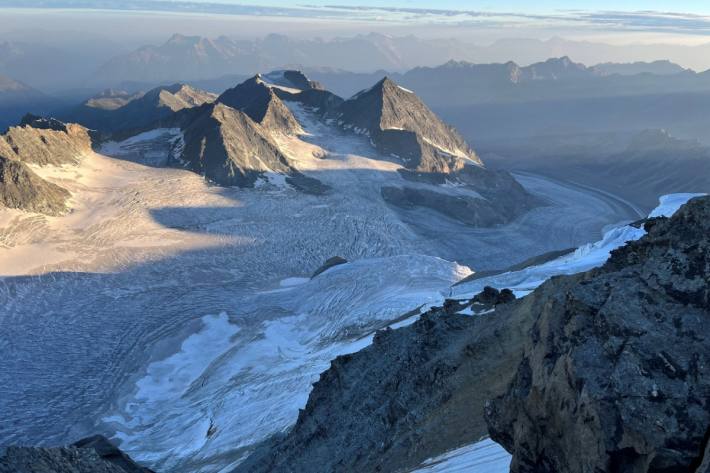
(616, 373)
(90, 455)
(21, 188)
(415, 392)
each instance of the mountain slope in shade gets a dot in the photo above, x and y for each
(633, 68)
(261, 104)
(111, 99)
(229, 148)
(21, 188)
(399, 123)
(137, 111)
(614, 376)
(17, 99)
(45, 142)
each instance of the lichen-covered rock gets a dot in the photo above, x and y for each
(616, 374)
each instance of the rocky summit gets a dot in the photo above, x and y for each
(615, 376)
(44, 141)
(261, 104)
(400, 124)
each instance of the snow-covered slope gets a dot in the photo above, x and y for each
(236, 381)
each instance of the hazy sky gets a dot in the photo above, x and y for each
(686, 6)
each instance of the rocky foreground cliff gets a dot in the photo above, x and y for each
(615, 374)
(604, 371)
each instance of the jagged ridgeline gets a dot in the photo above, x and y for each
(38, 142)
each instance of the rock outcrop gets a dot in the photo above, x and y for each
(497, 197)
(21, 188)
(90, 455)
(45, 141)
(615, 376)
(329, 263)
(137, 112)
(229, 148)
(414, 393)
(261, 104)
(399, 124)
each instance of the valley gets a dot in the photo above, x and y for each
(164, 262)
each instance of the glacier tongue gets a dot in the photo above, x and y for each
(582, 259)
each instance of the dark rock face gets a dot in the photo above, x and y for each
(299, 80)
(616, 374)
(330, 262)
(229, 148)
(414, 393)
(322, 101)
(261, 104)
(400, 124)
(41, 123)
(21, 188)
(90, 455)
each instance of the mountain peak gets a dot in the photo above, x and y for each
(400, 124)
(255, 98)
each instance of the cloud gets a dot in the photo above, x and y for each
(650, 21)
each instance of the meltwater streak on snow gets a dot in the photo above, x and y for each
(256, 374)
(485, 456)
(583, 259)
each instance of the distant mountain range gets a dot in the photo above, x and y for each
(189, 58)
(17, 98)
(460, 83)
(114, 110)
(194, 57)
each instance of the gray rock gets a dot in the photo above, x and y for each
(91, 455)
(45, 141)
(400, 124)
(261, 104)
(414, 393)
(330, 262)
(231, 149)
(21, 188)
(616, 373)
